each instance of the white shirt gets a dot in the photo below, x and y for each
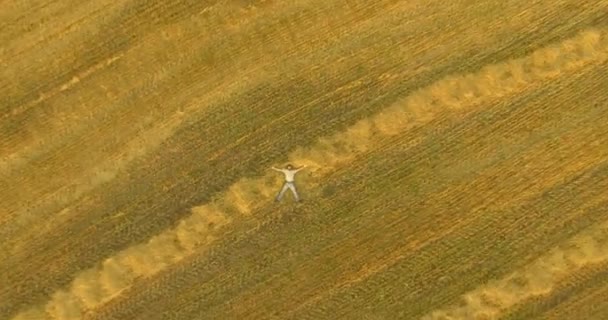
(289, 174)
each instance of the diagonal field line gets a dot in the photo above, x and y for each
(392, 259)
(535, 279)
(94, 287)
(141, 144)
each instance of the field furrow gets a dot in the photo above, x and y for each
(457, 159)
(588, 82)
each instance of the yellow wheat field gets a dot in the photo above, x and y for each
(456, 153)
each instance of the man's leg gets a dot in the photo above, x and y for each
(282, 192)
(292, 187)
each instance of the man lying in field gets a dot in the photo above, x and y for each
(289, 173)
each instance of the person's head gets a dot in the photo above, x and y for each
(289, 167)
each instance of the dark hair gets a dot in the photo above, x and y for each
(289, 166)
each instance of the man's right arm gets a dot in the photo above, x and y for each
(276, 169)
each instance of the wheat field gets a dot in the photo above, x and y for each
(456, 153)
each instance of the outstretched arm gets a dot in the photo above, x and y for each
(275, 169)
(300, 168)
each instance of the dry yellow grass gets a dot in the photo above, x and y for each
(137, 138)
(535, 279)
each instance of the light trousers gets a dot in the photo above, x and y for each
(291, 186)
